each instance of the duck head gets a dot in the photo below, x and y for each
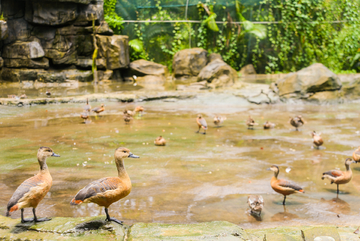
(123, 152)
(348, 161)
(275, 169)
(44, 152)
(199, 116)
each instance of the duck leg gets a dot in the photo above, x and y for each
(198, 130)
(337, 189)
(284, 200)
(111, 219)
(204, 133)
(35, 219)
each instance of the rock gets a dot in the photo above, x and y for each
(12, 9)
(326, 97)
(193, 86)
(23, 50)
(105, 75)
(352, 89)
(259, 99)
(247, 70)
(3, 30)
(189, 62)
(50, 13)
(80, 75)
(18, 75)
(87, 63)
(312, 233)
(42, 63)
(18, 29)
(198, 231)
(314, 78)
(51, 77)
(154, 82)
(44, 32)
(143, 67)
(1, 62)
(115, 50)
(73, 1)
(218, 74)
(90, 12)
(279, 237)
(102, 29)
(214, 56)
(324, 238)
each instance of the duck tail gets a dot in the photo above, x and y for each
(12, 209)
(75, 202)
(302, 190)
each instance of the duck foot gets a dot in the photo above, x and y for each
(114, 220)
(36, 220)
(204, 133)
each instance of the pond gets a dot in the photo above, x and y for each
(194, 178)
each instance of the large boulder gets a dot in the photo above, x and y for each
(189, 62)
(143, 67)
(92, 11)
(18, 30)
(50, 13)
(23, 50)
(51, 77)
(218, 74)
(18, 75)
(315, 78)
(115, 49)
(247, 70)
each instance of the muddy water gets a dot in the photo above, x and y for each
(194, 178)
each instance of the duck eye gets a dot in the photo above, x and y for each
(124, 151)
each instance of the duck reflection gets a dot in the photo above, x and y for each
(283, 216)
(337, 205)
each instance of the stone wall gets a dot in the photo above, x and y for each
(46, 36)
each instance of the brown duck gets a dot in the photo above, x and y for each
(317, 140)
(33, 190)
(160, 141)
(356, 155)
(297, 121)
(201, 124)
(100, 109)
(268, 125)
(282, 186)
(251, 123)
(108, 190)
(340, 177)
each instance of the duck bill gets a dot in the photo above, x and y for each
(268, 169)
(55, 155)
(133, 156)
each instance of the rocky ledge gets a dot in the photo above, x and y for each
(95, 228)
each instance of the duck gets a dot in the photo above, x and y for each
(282, 186)
(33, 190)
(268, 125)
(218, 120)
(297, 121)
(85, 115)
(202, 124)
(87, 107)
(48, 93)
(340, 177)
(356, 155)
(138, 109)
(317, 140)
(100, 109)
(160, 141)
(256, 204)
(127, 118)
(108, 190)
(251, 123)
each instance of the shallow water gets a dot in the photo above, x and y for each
(195, 178)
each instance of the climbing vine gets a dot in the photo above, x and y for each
(111, 17)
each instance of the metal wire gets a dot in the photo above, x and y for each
(198, 21)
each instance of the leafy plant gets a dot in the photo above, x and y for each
(115, 21)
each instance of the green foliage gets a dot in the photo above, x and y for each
(115, 21)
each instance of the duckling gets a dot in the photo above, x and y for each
(340, 177)
(256, 204)
(48, 93)
(85, 116)
(251, 123)
(160, 141)
(318, 141)
(100, 109)
(138, 109)
(297, 121)
(282, 186)
(356, 155)
(127, 118)
(201, 123)
(23, 96)
(218, 120)
(34, 189)
(87, 107)
(108, 190)
(268, 125)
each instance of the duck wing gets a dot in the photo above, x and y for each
(22, 190)
(334, 173)
(94, 188)
(96, 109)
(290, 185)
(202, 121)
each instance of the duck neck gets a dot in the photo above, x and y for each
(276, 174)
(121, 169)
(43, 165)
(348, 168)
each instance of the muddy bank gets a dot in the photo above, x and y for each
(95, 228)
